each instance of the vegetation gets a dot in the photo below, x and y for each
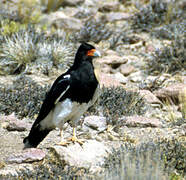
(115, 102)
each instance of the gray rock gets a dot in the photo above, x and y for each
(117, 16)
(95, 122)
(109, 6)
(90, 155)
(150, 97)
(113, 60)
(140, 121)
(11, 123)
(136, 77)
(174, 91)
(126, 69)
(109, 80)
(69, 23)
(62, 21)
(72, 3)
(121, 78)
(28, 155)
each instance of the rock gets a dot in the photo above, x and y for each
(109, 6)
(95, 122)
(72, 3)
(136, 77)
(140, 121)
(150, 48)
(60, 20)
(126, 69)
(171, 92)
(109, 80)
(113, 60)
(117, 16)
(122, 79)
(28, 155)
(150, 97)
(90, 155)
(13, 171)
(105, 68)
(11, 123)
(110, 52)
(68, 23)
(16, 126)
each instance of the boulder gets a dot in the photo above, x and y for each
(126, 69)
(28, 155)
(12, 123)
(140, 121)
(117, 16)
(172, 92)
(95, 122)
(90, 155)
(149, 97)
(109, 6)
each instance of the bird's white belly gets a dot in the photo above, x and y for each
(68, 110)
(63, 112)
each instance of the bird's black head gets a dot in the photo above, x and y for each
(86, 52)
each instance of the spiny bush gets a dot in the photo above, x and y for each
(31, 47)
(170, 31)
(115, 102)
(58, 50)
(17, 51)
(24, 97)
(170, 59)
(152, 14)
(93, 30)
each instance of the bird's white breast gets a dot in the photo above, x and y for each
(67, 111)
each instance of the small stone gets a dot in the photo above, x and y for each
(95, 122)
(150, 97)
(60, 20)
(28, 155)
(136, 77)
(126, 69)
(69, 23)
(72, 3)
(140, 121)
(173, 92)
(11, 123)
(106, 68)
(16, 126)
(122, 79)
(113, 60)
(109, 6)
(108, 80)
(150, 48)
(117, 16)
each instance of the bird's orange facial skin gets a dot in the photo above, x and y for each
(91, 52)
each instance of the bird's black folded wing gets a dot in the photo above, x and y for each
(57, 90)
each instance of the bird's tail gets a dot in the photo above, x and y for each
(35, 136)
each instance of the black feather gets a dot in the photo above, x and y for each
(77, 84)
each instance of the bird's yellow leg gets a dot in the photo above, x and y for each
(74, 137)
(62, 141)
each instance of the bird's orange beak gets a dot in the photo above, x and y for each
(93, 53)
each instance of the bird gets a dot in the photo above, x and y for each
(71, 94)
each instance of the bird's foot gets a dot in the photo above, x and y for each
(63, 143)
(75, 139)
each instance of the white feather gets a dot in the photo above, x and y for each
(65, 111)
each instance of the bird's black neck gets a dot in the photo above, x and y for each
(81, 60)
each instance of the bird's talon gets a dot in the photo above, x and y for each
(75, 139)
